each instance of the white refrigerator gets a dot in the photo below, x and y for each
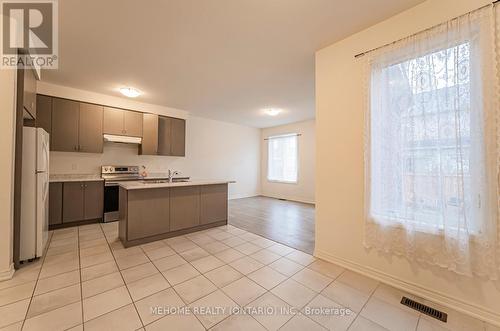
(34, 193)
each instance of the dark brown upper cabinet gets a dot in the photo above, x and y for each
(122, 122)
(76, 126)
(65, 122)
(149, 144)
(90, 128)
(79, 127)
(164, 135)
(178, 137)
(171, 136)
(132, 123)
(113, 121)
(44, 113)
(29, 92)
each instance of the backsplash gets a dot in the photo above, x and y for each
(114, 154)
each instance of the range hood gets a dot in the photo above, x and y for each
(122, 139)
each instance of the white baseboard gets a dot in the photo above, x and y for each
(290, 198)
(440, 298)
(242, 196)
(7, 274)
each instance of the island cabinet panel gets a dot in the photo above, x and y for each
(184, 207)
(55, 203)
(65, 119)
(213, 203)
(147, 213)
(123, 214)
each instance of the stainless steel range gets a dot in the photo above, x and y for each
(112, 175)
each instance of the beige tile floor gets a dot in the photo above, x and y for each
(204, 280)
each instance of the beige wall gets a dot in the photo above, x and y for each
(7, 125)
(339, 170)
(303, 190)
(214, 149)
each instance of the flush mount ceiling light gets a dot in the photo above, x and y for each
(273, 111)
(130, 92)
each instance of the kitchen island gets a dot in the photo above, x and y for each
(152, 211)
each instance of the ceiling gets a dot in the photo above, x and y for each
(220, 59)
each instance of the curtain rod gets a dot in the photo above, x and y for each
(288, 135)
(432, 27)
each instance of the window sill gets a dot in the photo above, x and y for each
(282, 181)
(417, 227)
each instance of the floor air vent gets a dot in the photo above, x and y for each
(439, 315)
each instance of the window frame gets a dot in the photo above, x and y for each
(286, 135)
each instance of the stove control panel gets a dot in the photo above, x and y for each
(119, 169)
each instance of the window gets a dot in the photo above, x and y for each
(282, 158)
(421, 140)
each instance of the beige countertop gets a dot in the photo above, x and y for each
(55, 178)
(140, 185)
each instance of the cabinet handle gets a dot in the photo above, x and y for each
(81, 185)
(75, 148)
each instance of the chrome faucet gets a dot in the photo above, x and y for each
(171, 174)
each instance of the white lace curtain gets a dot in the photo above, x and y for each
(431, 147)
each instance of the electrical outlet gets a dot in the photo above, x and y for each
(74, 166)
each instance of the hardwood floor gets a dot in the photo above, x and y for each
(290, 223)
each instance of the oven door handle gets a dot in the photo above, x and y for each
(109, 184)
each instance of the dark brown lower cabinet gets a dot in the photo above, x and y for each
(94, 200)
(213, 203)
(82, 201)
(148, 212)
(55, 203)
(73, 201)
(184, 207)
